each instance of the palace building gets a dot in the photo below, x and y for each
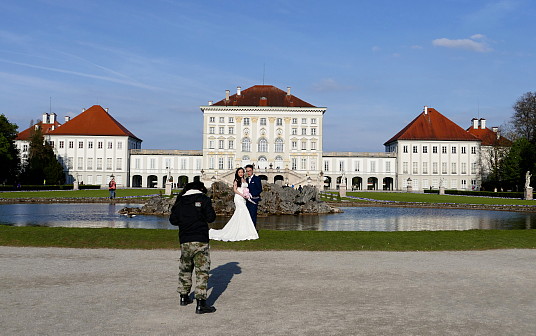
(281, 135)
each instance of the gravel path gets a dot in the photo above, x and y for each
(56, 291)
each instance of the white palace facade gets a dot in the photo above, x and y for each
(277, 132)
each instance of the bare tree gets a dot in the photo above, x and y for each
(524, 118)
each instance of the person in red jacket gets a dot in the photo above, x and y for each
(192, 212)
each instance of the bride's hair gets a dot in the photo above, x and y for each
(237, 178)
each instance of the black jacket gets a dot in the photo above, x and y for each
(192, 213)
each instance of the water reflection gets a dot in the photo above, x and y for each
(95, 215)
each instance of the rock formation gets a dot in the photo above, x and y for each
(276, 200)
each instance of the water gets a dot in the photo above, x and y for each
(97, 215)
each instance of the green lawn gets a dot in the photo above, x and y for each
(80, 193)
(435, 198)
(274, 240)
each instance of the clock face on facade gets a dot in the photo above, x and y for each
(263, 131)
(279, 131)
(246, 131)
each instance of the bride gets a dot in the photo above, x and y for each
(240, 226)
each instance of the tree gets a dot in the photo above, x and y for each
(42, 165)
(524, 118)
(9, 154)
(520, 159)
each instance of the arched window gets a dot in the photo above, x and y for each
(279, 158)
(279, 145)
(262, 159)
(263, 145)
(246, 145)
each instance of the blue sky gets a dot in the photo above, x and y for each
(373, 64)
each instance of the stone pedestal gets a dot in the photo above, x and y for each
(76, 185)
(168, 188)
(441, 190)
(410, 188)
(342, 190)
(528, 194)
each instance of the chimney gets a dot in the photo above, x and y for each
(425, 109)
(227, 92)
(83, 110)
(482, 123)
(288, 90)
(53, 127)
(475, 123)
(67, 118)
(106, 109)
(45, 118)
(209, 102)
(263, 101)
(495, 129)
(52, 118)
(36, 126)
(238, 90)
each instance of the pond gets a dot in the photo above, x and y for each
(97, 215)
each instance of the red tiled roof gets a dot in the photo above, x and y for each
(93, 121)
(46, 128)
(432, 126)
(263, 95)
(489, 138)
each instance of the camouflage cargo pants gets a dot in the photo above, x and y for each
(194, 255)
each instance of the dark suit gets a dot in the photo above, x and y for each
(255, 189)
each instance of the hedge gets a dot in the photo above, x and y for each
(505, 194)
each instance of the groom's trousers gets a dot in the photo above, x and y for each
(194, 255)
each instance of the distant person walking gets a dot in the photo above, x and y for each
(111, 187)
(192, 212)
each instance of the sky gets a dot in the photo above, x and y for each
(373, 64)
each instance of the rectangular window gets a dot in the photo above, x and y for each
(304, 145)
(25, 148)
(108, 163)
(51, 144)
(222, 119)
(198, 164)
(80, 165)
(211, 144)
(80, 144)
(89, 164)
(263, 121)
(473, 150)
(71, 144)
(109, 145)
(414, 149)
(119, 164)
(183, 163)
(434, 168)
(231, 144)
(313, 165)
(120, 145)
(356, 166)
(294, 131)
(313, 145)
(294, 144)
(231, 120)
(62, 144)
(99, 163)
(246, 121)
(425, 167)
(443, 168)
(463, 168)
(326, 165)
(341, 166)
(212, 119)
(294, 121)
(152, 163)
(137, 163)
(304, 131)
(221, 144)
(294, 163)
(313, 121)
(372, 166)
(453, 168)
(473, 168)
(231, 130)
(444, 149)
(303, 165)
(222, 130)
(388, 166)
(304, 120)
(434, 149)
(464, 184)
(279, 122)
(313, 131)
(211, 163)
(405, 149)
(69, 163)
(99, 145)
(404, 167)
(220, 163)
(230, 162)
(464, 150)
(425, 149)
(415, 167)
(453, 149)
(211, 130)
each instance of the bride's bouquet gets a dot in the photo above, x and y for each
(247, 195)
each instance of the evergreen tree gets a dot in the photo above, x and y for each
(520, 159)
(9, 155)
(42, 167)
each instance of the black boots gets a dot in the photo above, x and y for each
(185, 299)
(203, 308)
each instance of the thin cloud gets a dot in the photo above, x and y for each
(474, 43)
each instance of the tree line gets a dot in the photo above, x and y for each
(41, 165)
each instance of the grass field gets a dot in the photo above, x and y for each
(435, 198)
(274, 240)
(80, 193)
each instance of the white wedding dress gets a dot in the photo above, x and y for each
(240, 226)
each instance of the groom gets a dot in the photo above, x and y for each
(255, 189)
